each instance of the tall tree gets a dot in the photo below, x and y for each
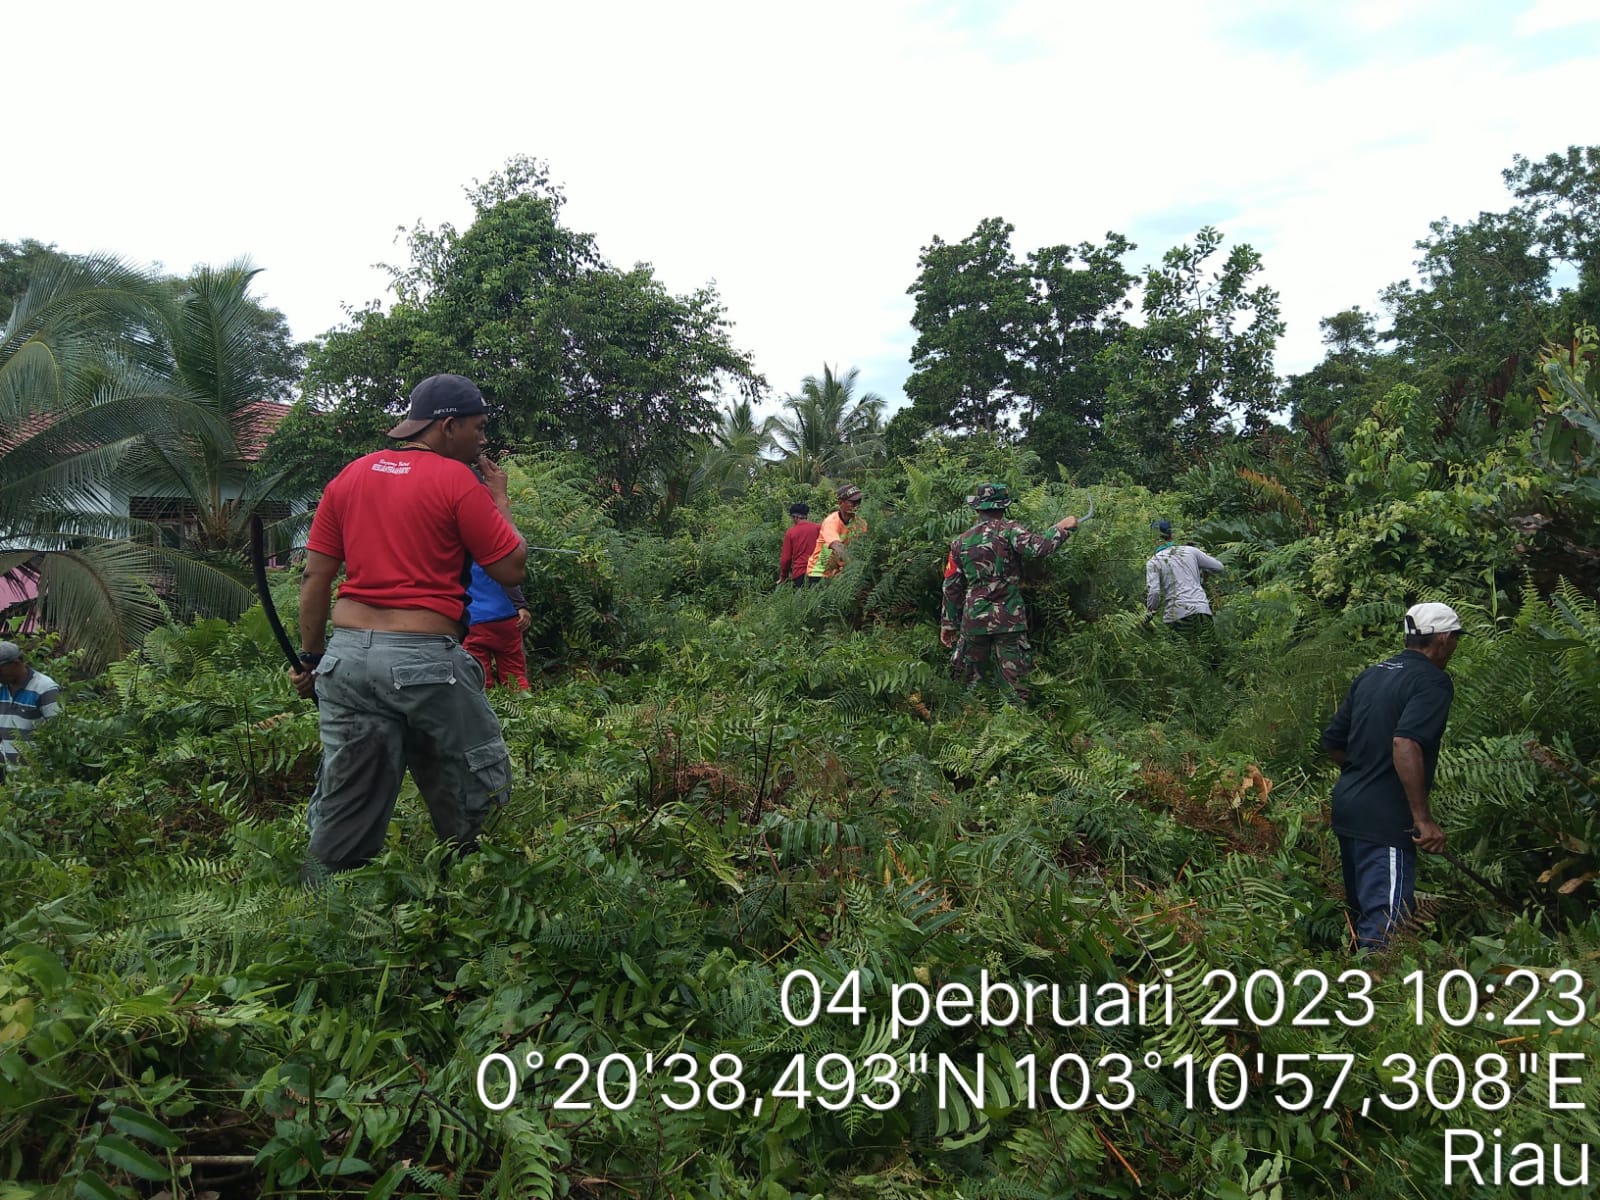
(1335, 389)
(18, 261)
(1560, 193)
(737, 448)
(229, 355)
(1078, 297)
(1472, 326)
(974, 316)
(641, 372)
(1006, 344)
(829, 431)
(573, 351)
(1200, 364)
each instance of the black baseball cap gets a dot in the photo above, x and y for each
(437, 397)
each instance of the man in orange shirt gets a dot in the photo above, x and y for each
(839, 529)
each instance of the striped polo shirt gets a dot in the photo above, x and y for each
(37, 700)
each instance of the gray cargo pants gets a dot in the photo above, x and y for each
(389, 701)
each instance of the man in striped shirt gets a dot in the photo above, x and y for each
(26, 698)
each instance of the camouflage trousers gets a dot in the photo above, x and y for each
(973, 653)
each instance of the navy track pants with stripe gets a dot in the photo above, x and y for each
(1379, 888)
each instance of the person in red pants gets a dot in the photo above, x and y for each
(498, 616)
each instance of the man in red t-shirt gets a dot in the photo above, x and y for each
(394, 686)
(798, 543)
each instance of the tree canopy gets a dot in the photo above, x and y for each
(1016, 345)
(574, 352)
(1199, 366)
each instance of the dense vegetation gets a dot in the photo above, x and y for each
(722, 785)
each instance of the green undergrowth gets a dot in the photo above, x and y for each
(721, 786)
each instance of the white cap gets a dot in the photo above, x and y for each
(1432, 618)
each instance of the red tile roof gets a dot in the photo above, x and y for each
(32, 425)
(254, 426)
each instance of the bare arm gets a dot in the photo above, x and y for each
(1336, 753)
(510, 569)
(1408, 765)
(316, 599)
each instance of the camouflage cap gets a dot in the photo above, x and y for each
(990, 495)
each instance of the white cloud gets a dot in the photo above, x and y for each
(800, 157)
(1549, 16)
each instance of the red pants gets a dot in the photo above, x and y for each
(497, 645)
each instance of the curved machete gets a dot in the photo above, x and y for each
(258, 563)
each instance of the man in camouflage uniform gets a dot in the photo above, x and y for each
(983, 591)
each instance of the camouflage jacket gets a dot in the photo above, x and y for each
(983, 577)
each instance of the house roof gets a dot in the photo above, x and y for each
(256, 422)
(17, 591)
(254, 426)
(16, 588)
(31, 425)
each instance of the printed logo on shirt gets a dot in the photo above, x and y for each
(391, 468)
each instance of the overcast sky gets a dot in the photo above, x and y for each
(798, 158)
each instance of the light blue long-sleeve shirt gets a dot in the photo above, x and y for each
(1172, 579)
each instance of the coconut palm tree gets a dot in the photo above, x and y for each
(736, 450)
(78, 397)
(829, 432)
(217, 358)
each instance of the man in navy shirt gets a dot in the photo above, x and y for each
(1385, 738)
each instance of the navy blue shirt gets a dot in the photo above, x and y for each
(1404, 696)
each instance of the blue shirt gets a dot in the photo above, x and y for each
(487, 600)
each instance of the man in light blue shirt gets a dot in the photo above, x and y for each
(1173, 582)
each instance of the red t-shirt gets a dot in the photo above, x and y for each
(797, 546)
(407, 524)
